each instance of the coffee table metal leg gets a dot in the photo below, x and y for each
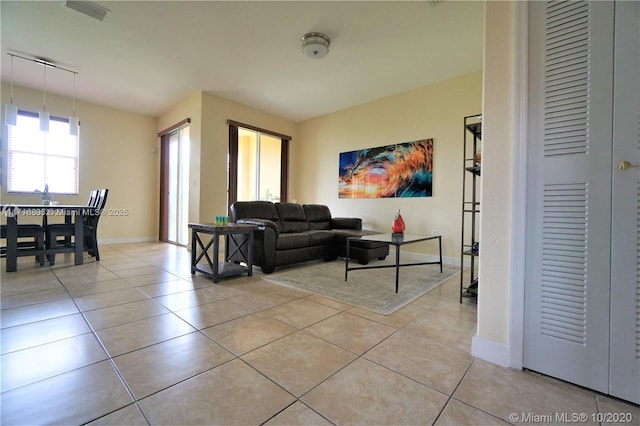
(397, 266)
(249, 259)
(440, 251)
(346, 261)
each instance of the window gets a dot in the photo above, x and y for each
(36, 159)
(258, 164)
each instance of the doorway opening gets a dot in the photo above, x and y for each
(174, 184)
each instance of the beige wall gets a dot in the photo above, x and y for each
(436, 111)
(115, 153)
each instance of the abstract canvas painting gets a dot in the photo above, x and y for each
(400, 170)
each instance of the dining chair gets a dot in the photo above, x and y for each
(67, 230)
(34, 236)
(93, 198)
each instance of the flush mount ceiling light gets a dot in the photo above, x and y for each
(315, 45)
(87, 8)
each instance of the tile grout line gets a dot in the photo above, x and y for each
(450, 397)
(109, 358)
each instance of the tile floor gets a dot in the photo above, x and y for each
(136, 340)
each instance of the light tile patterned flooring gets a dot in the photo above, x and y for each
(136, 340)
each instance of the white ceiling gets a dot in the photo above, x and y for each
(148, 55)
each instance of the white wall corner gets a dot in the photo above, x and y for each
(492, 352)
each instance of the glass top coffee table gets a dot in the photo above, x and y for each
(397, 241)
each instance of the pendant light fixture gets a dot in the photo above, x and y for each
(10, 109)
(43, 115)
(74, 123)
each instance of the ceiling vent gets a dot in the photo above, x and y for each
(87, 8)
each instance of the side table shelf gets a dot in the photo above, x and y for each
(225, 269)
(471, 171)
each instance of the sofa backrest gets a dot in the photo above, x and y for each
(289, 217)
(292, 217)
(254, 210)
(318, 216)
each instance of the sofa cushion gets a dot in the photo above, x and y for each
(292, 218)
(321, 237)
(318, 216)
(254, 210)
(293, 240)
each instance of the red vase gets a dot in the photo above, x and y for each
(398, 223)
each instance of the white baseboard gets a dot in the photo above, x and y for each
(127, 240)
(490, 351)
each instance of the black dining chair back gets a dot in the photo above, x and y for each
(93, 198)
(91, 216)
(91, 225)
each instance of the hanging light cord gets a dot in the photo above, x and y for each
(44, 89)
(11, 90)
(44, 116)
(74, 94)
(45, 63)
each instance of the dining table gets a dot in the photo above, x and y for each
(71, 213)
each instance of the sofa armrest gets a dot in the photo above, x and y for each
(346, 223)
(263, 223)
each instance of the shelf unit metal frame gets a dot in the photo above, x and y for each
(470, 204)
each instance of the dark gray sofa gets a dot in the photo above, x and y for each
(291, 233)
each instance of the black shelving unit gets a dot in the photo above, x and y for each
(470, 205)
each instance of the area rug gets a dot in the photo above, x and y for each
(372, 289)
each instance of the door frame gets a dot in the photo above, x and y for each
(163, 220)
(519, 186)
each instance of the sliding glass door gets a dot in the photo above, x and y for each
(258, 166)
(174, 199)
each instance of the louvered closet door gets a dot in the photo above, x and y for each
(568, 270)
(625, 266)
